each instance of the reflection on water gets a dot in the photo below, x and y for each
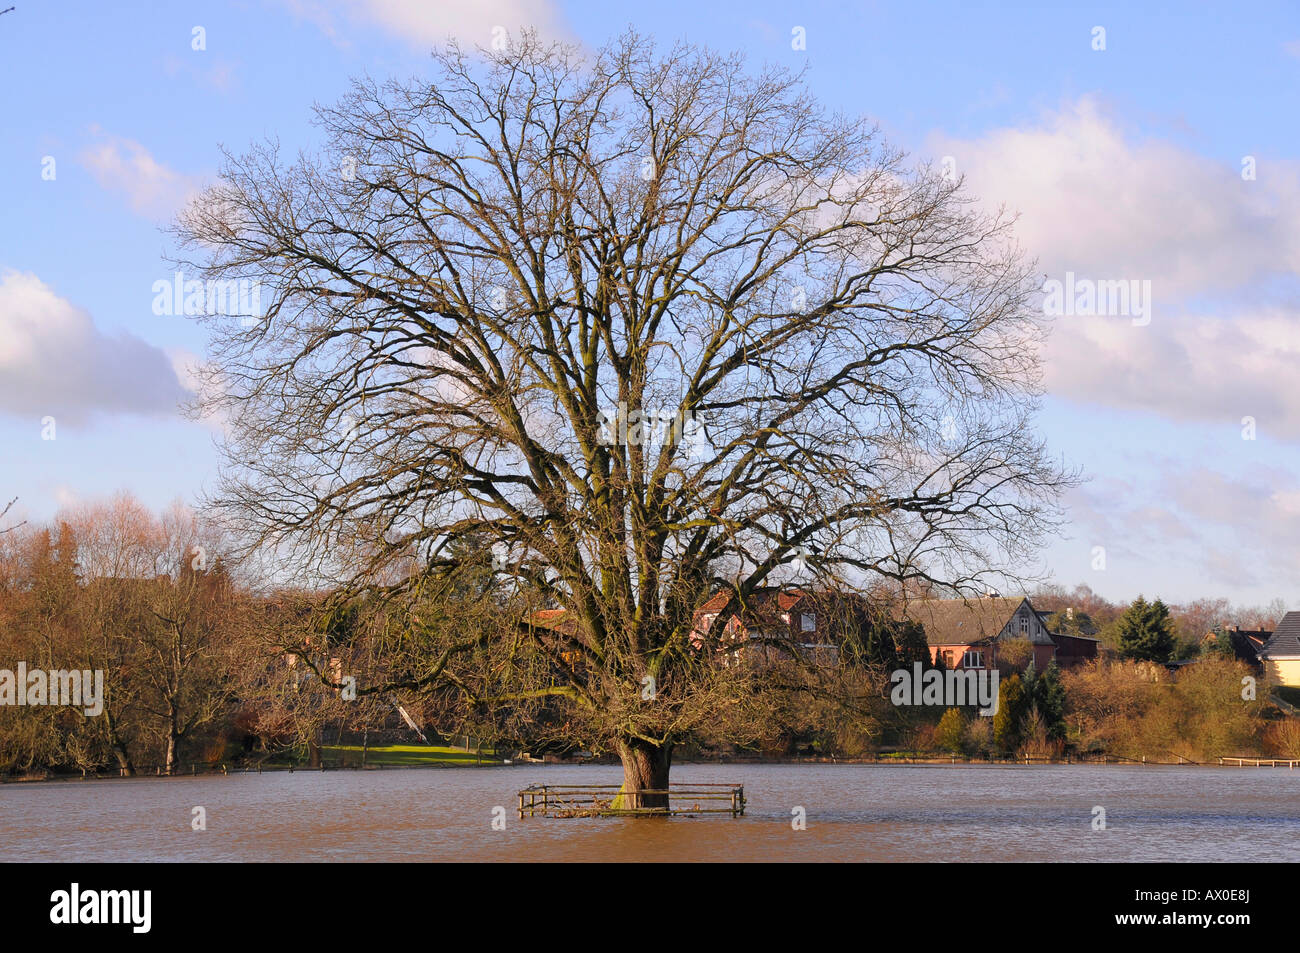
(855, 813)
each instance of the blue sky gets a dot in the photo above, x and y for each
(1124, 163)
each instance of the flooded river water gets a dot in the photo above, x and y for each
(854, 813)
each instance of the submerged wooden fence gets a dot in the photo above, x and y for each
(1259, 762)
(601, 800)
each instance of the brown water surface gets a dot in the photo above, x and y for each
(854, 813)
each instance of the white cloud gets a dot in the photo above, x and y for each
(55, 362)
(186, 365)
(1186, 367)
(1095, 202)
(1222, 342)
(1190, 530)
(1257, 513)
(426, 23)
(125, 166)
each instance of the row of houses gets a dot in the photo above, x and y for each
(1274, 653)
(968, 634)
(975, 634)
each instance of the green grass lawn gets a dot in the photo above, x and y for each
(407, 755)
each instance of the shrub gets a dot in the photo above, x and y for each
(1014, 655)
(1283, 738)
(1135, 709)
(1010, 714)
(1037, 737)
(950, 734)
(979, 736)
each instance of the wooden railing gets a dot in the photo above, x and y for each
(605, 800)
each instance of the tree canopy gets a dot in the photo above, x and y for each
(1146, 631)
(645, 324)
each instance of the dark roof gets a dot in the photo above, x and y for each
(1073, 635)
(962, 621)
(1257, 637)
(1246, 644)
(1285, 642)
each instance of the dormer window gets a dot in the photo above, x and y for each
(1024, 625)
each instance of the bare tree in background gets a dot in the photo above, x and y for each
(5, 512)
(158, 615)
(642, 325)
(186, 651)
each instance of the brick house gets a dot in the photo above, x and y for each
(772, 619)
(970, 633)
(776, 621)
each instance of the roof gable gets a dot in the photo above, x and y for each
(766, 606)
(963, 621)
(1285, 642)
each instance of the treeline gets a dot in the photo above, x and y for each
(199, 667)
(1132, 710)
(1113, 707)
(1182, 627)
(142, 598)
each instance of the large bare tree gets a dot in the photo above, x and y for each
(644, 323)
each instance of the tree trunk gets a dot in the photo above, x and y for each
(645, 768)
(125, 767)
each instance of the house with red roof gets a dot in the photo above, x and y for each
(774, 622)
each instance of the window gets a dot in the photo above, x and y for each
(972, 660)
(1024, 625)
(808, 622)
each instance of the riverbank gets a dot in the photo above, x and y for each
(459, 758)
